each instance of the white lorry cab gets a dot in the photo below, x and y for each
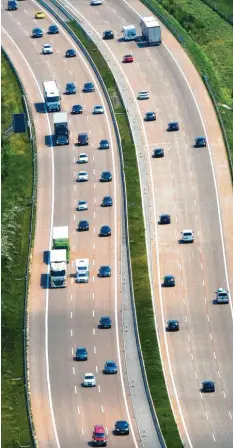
(58, 268)
(82, 270)
(52, 96)
(129, 32)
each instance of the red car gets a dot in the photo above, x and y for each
(98, 437)
(128, 58)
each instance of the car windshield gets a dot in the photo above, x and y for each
(81, 351)
(111, 364)
(82, 202)
(99, 434)
(89, 377)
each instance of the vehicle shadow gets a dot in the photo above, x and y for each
(40, 108)
(46, 257)
(44, 281)
(49, 140)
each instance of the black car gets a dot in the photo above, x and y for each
(158, 152)
(77, 109)
(150, 116)
(169, 280)
(107, 201)
(121, 427)
(173, 325)
(71, 53)
(173, 126)
(208, 386)
(200, 142)
(164, 219)
(37, 32)
(105, 231)
(70, 88)
(81, 354)
(105, 271)
(83, 225)
(53, 29)
(105, 322)
(104, 144)
(105, 176)
(88, 87)
(83, 139)
(108, 34)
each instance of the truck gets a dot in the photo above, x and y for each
(129, 32)
(61, 240)
(58, 268)
(61, 130)
(82, 270)
(12, 5)
(51, 96)
(151, 30)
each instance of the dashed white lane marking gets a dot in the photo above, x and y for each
(73, 247)
(214, 437)
(18, 23)
(94, 200)
(230, 415)
(180, 267)
(71, 314)
(93, 278)
(71, 297)
(27, 32)
(205, 300)
(201, 396)
(182, 284)
(82, 431)
(106, 430)
(71, 332)
(102, 408)
(203, 283)
(219, 374)
(93, 245)
(94, 171)
(196, 375)
(93, 295)
(96, 369)
(74, 160)
(26, 12)
(99, 388)
(94, 229)
(211, 337)
(78, 410)
(95, 350)
(72, 351)
(94, 184)
(94, 214)
(215, 356)
(207, 416)
(93, 331)
(223, 392)
(93, 261)
(186, 319)
(73, 371)
(93, 158)
(208, 318)
(93, 313)
(74, 217)
(191, 355)
(75, 389)
(189, 337)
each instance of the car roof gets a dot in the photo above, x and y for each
(89, 374)
(110, 362)
(107, 197)
(105, 317)
(122, 422)
(169, 276)
(104, 267)
(82, 133)
(173, 321)
(187, 231)
(70, 83)
(104, 140)
(99, 428)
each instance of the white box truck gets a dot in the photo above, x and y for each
(82, 270)
(58, 268)
(129, 32)
(151, 30)
(51, 96)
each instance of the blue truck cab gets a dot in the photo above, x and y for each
(12, 5)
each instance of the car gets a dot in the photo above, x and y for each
(89, 380)
(106, 176)
(37, 32)
(173, 325)
(83, 158)
(82, 205)
(105, 231)
(200, 142)
(96, 2)
(150, 116)
(222, 296)
(82, 138)
(173, 126)
(105, 322)
(143, 95)
(82, 176)
(70, 88)
(128, 58)
(108, 34)
(104, 144)
(47, 49)
(110, 367)
(107, 201)
(81, 354)
(98, 436)
(208, 386)
(164, 219)
(88, 87)
(121, 427)
(157, 153)
(98, 110)
(40, 15)
(83, 225)
(105, 271)
(169, 280)
(187, 236)
(77, 109)
(71, 53)
(53, 29)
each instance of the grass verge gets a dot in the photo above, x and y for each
(17, 175)
(142, 293)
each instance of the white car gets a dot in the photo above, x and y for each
(83, 158)
(82, 176)
(96, 2)
(187, 236)
(222, 296)
(89, 380)
(143, 95)
(98, 110)
(47, 49)
(82, 205)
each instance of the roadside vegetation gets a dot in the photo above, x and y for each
(142, 293)
(223, 7)
(16, 159)
(208, 40)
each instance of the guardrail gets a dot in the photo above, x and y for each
(30, 243)
(91, 62)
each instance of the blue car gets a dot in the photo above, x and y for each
(37, 32)
(81, 354)
(107, 201)
(105, 271)
(208, 386)
(105, 231)
(70, 88)
(110, 367)
(121, 427)
(105, 322)
(88, 87)
(106, 176)
(200, 142)
(77, 109)
(71, 53)
(104, 144)
(173, 126)
(53, 29)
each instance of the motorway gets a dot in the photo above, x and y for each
(182, 184)
(60, 320)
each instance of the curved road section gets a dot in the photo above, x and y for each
(61, 320)
(183, 184)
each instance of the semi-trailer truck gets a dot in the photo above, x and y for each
(61, 130)
(151, 30)
(82, 270)
(130, 32)
(51, 96)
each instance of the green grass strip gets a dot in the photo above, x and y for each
(142, 292)
(17, 178)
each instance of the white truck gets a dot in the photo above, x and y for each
(130, 32)
(151, 30)
(82, 270)
(58, 268)
(51, 96)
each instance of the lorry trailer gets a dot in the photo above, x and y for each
(151, 30)
(129, 32)
(51, 96)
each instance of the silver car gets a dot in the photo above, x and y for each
(82, 205)
(143, 95)
(47, 49)
(82, 176)
(98, 110)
